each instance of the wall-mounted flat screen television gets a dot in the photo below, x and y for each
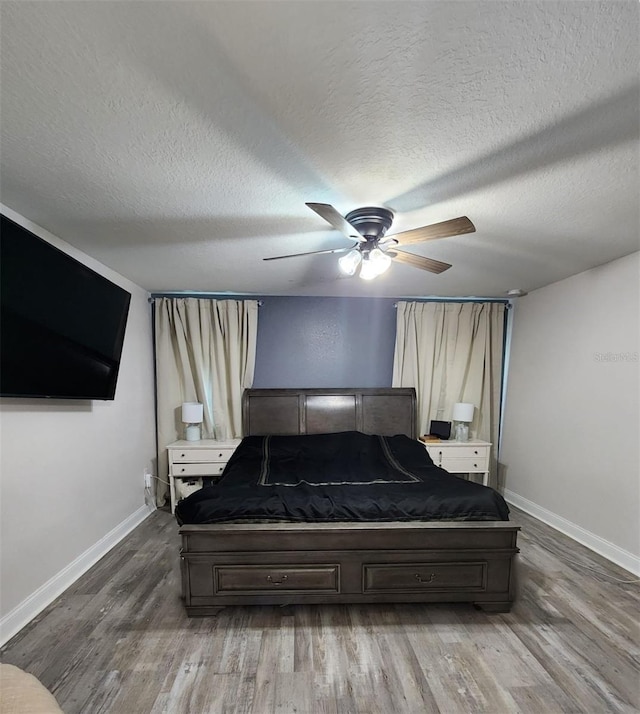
(62, 324)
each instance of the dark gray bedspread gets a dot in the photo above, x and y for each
(341, 477)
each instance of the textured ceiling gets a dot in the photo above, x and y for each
(177, 142)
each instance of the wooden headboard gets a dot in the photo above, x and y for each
(385, 411)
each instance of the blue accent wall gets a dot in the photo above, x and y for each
(325, 342)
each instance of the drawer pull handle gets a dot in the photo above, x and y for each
(475, 452)
(219, 455)
(182, 456)
(475, 466)
(182, 470)
(420, 579)
(276, 582)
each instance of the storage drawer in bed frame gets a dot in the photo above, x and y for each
(250, 579)
(239, 564)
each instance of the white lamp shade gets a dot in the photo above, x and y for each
(462, 411)
(192, 412)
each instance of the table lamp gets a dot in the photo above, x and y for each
(463, 415)
(192, 417)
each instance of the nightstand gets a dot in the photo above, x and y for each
(461, 457)
(190, 461)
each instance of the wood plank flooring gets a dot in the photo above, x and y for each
(118, 641)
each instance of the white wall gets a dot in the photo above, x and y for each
(571, 428)
(71, 478)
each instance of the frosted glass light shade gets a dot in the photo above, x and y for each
(381, 260)
(368, 271)
(192, 412)
(462, 411)
(349, 263)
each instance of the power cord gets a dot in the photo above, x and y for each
(157, 478)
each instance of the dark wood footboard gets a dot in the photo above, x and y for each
(289, 563)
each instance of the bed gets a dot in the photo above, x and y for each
(358, 547)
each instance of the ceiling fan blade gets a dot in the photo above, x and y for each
(332, 216)
(454, 227)
(313, 252)
(417, 261)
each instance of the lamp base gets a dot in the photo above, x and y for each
(462, 431)
(192, 432)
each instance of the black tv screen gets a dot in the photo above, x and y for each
(61, 324)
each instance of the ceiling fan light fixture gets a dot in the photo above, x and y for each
(349, 263)
(368, 226)
(369, 270)
(381, 260)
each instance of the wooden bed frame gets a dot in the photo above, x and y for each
(287, 563)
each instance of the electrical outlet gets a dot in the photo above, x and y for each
(147, 479)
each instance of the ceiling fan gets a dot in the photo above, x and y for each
(373, 250)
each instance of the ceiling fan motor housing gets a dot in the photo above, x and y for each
(371, 222)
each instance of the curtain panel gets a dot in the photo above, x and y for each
(452, 352)
(205, 352)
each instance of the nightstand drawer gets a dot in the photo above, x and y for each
(209, 469)
(459, 452)
(195, 455)
(472, 452)
(455, 465)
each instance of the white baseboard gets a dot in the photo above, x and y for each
(603, 547)
(23, 613)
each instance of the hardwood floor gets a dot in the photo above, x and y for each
(118, 641)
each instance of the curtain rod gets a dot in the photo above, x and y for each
(504, 301)
(212, 296)
(218, 296)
